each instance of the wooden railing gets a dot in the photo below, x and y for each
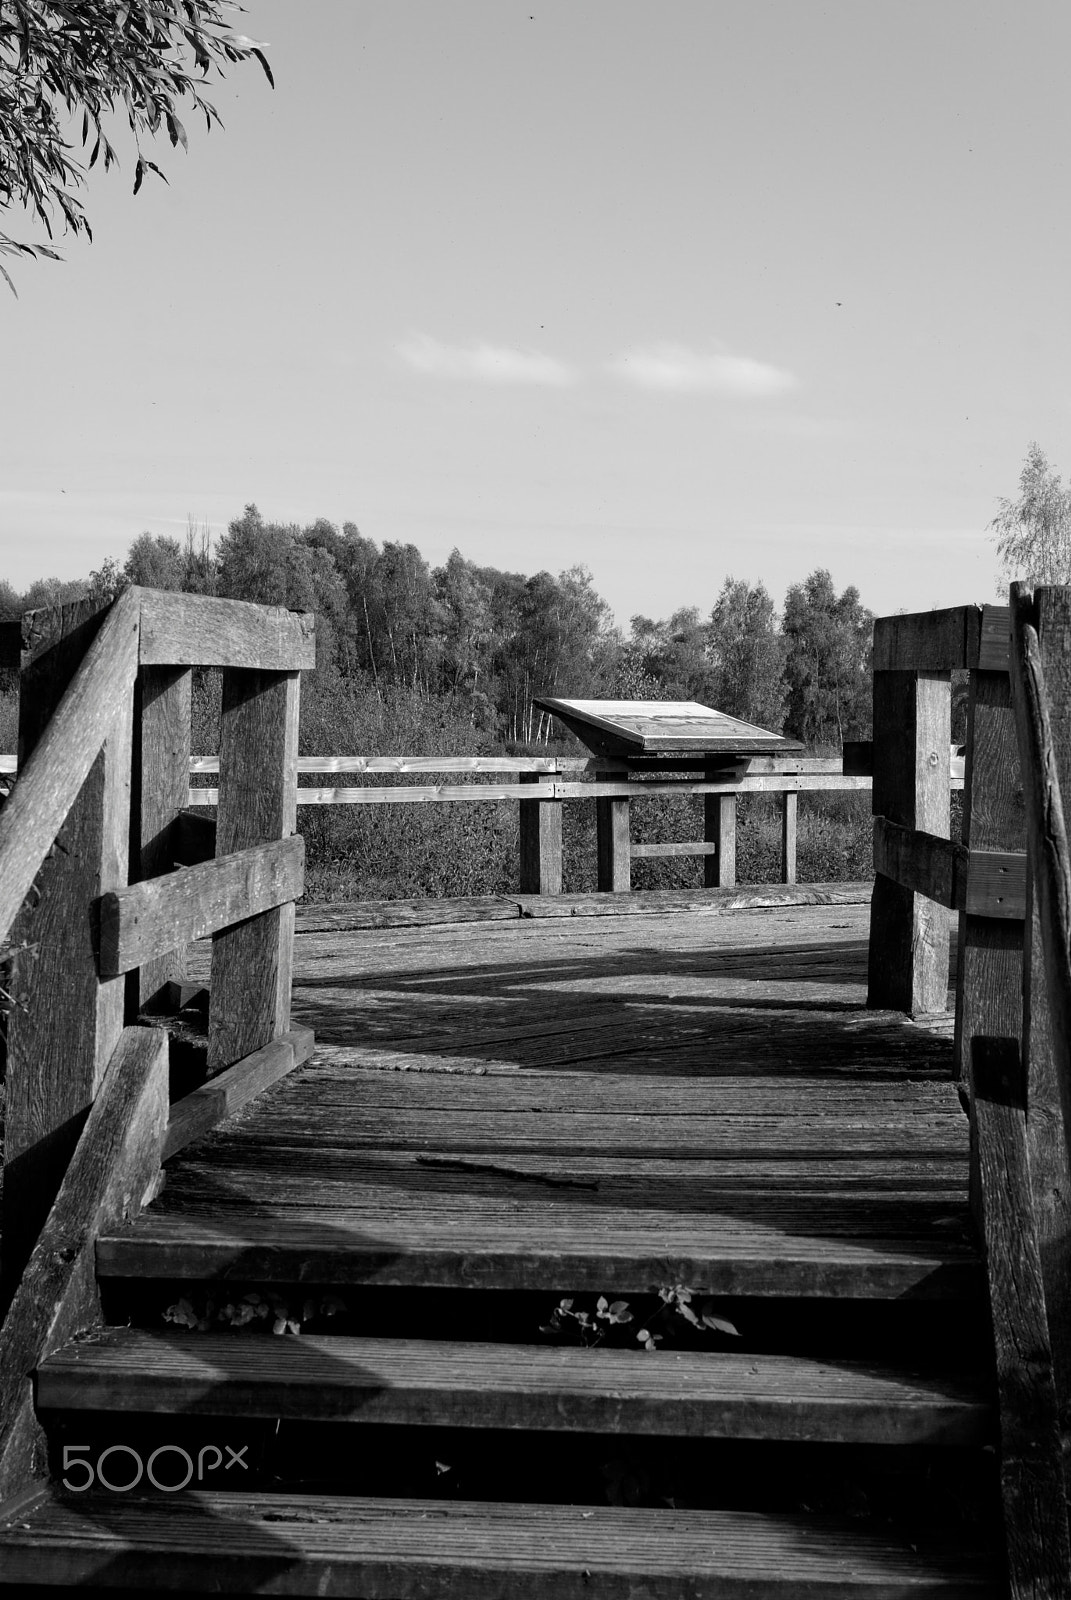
(99, 923)
(1010, 881)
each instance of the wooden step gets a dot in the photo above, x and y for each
(700, 1394)
(463, 1550)
(538, 1247)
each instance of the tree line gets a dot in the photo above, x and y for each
(480, 642)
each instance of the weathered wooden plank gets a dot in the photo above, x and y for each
(696, 1394)
(143, 922)
(687, 847)
(61, 1037)
(996, 884)
(789, 818)
(315, 1545)
(63, 754)
(113, 1170)
(719, 829)
(540, 846)
(196, 1113)
(922, 862)
(258, 784)
(202, 631)
(560, 789)
(799, 765)
(620, 1252)
(927, 641)
(1041, 692)
(612, 843)
(909, 933)
(1032, 1480)
(994, 640)
(989, 983)
(160, 767)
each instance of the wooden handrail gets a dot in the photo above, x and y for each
(1046, 827)
(62, 758)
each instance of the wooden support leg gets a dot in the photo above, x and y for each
(909, 934)
(789, 809)
(161, 781)
(250, 994)
(540, 843)
(719, 829)
(612, 832)
(61, 1037)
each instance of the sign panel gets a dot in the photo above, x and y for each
(663, 727)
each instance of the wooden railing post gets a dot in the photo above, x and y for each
(612, 840)
(250, 995)
(719, 829)
(540, 842)
(1046, 1135)
(789, 813)
(68, 1020)
(909, 933)
(161, 787)
(989, 983)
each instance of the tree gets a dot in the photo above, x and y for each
(69, 64)
(1034, 530)
(747, 653)
(155, 562)
(828, 661)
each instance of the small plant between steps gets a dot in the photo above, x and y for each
(597, 1326)
(255, 1311)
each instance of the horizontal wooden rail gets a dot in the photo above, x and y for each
(645, 789)
(689, 847)
(196, 1113)
(808, 766)
(151, 918)
(62, 758)
(196, 630)
(974, 637)
(984, 883)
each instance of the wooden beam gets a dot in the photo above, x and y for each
(994, 641)
(789, 810)
(1041, 691)
(196, 630)
(927, 641)
(1031, 1474)
(197, 1113)
(113, 1171)
(161, 767)
(258, 785)
(540, 824)
(909, 933)
(986, 883)
(612, 842)
(148, 919)
(719, 829)
(689, 847)
(75, 786)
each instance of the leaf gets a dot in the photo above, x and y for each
(262, 58)
(177, 131)
(139, 173)
(5, 274)
(720, 1325)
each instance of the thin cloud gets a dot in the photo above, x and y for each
(483, 363)
(675, 369)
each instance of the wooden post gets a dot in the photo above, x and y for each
(612, 838)
(789, 809)
(909, 933)
(161, 787)
(719, 829)
(540, 842)
(62, 1033)
(250, 994)
(1046, 1136)
(989, 983)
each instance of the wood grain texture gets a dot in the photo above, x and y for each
(1041, 691)
(612, 845)
(141, 923)
(158, 796)
(990, 961)
(469, 1550)
(62, 1034)
(909, 933)
(540, 846)
(789, 819)
(696, 1394)
(719, 829)
(994, 640)
(112, 1171)
(203, 631)
(196, 1113)
(1032, 1479)
(258, 783)
(922, 862)
(687, 847)
(927, 641)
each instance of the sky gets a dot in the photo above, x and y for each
(676, 289)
